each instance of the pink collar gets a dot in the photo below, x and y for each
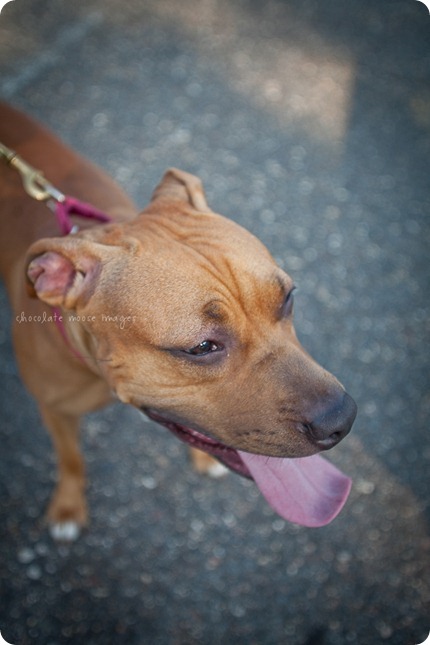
(63, 209)
(67, 206)
(58, 319)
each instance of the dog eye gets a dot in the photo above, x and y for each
(287, 306)
(206, 347)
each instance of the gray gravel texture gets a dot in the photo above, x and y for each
(309, 123)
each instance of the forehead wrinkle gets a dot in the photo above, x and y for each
(261, 294)
(213, 311)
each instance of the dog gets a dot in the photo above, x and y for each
(175, 310)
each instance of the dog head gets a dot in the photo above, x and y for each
(193, 321)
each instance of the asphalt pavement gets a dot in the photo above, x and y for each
(309, 123)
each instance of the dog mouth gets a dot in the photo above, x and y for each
(226, 455)
(309, 491)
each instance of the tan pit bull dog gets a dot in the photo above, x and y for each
(176, 310)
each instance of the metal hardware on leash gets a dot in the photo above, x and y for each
(42, 190)
(33, 180)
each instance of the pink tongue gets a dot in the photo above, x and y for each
(309, 491)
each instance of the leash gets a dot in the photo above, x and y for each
(42, 190)
(63, 207)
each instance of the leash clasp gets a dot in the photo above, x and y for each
(33, 180)
(42, 190)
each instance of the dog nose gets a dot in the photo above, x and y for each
(333, 424)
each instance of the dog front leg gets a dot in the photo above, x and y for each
(67, 511)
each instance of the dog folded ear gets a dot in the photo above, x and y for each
(177, 184)
(63, 271)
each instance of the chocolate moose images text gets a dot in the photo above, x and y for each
(55, 317)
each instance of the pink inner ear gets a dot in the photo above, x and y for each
(52, 275)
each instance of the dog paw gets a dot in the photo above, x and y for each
(67, 513)
(65, 531)
(217, 470)
(207, 465)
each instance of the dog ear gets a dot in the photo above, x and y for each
(63, 271)
(184, 186)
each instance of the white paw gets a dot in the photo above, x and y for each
(217, 470)
(65, 531)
